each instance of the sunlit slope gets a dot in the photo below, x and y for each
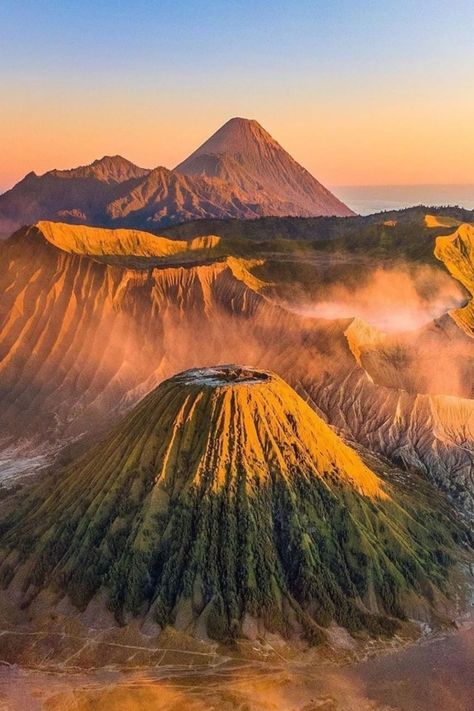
(435, 221)
(78, 335)
(83, 338)
(433, 434)
(223, 498)
(456, 251)
(242, 153)
(96, 241)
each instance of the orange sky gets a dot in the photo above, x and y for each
(382, 144)
(359, 93)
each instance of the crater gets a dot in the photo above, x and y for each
(222, 375)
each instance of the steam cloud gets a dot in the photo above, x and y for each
(394, 299)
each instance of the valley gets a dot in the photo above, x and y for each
(392, 680)
(236, 356)
(236, 455)
(417, 415)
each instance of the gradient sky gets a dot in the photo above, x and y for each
(360, 92)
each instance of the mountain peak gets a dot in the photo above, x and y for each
(244, 153)
(238, 137)
(237, 121)
(239, 172)
(223, 495)
(108, 169)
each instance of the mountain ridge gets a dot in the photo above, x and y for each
(114, 192)
(108, 169)
(150, 316)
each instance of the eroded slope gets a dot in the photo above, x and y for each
(457, 253)
(221, 498)
(82, 339)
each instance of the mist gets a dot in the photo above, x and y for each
(394, 299)
(388, 681)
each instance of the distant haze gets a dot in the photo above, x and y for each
(367, 199)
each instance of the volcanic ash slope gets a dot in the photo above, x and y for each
(221, 502)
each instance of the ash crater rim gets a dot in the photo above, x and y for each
(224, 376)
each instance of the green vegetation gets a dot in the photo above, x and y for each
(157, 530)
(312, 229)
(410, 242)
(300, 257)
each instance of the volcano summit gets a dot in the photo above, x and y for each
(240, 172)
(222, 503)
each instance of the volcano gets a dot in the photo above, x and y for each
(241, 172)
(221, 502)
(92, 319)
(242, 153)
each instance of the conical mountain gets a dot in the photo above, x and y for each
(240, 172)
(243, 153)
(223, 498)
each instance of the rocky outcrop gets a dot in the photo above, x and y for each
(456, 251)
(433, 434)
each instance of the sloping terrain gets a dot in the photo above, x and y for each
(90, 322)
(223, 498)
(80, 337)
(433, 434)
(77, 196)
(242, 153)
(112, 192)
(109, 169)
(100, 242)
(456, 251)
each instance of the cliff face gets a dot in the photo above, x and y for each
(456, 251)
(79, 337)
(430, 433)
(91, 320)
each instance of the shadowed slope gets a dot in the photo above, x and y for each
(83, 338)
(79, 338)
(76, 196)
(223, 497)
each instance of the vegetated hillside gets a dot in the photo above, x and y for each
(223, 501)
(112, 192)
(84, 336)
(409, 224)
